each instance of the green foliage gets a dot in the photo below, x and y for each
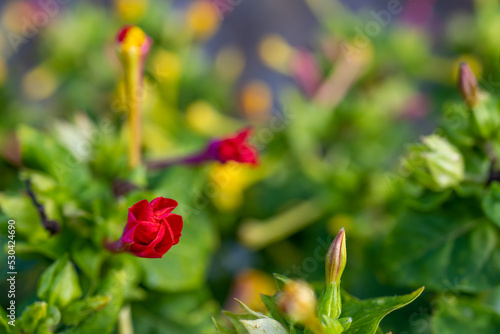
(463, 315)
(367, 314)
(434, 220)
(449, 248)
(59, 284)
(358, 316)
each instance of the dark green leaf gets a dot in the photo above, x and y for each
(462, 316)
(449, 248)
(367, 314)
(491, 203)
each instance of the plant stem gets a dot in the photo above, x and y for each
(50, 225)
(189, 160)
(134, 95)
(125, 325)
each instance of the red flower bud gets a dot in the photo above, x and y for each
(151, 229)
(467, 84)
(234, 148)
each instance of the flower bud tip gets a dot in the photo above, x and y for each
(467, 84)
(336, 258)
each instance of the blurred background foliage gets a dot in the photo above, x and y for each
(334, 95)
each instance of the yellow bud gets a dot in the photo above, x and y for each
(133, 38)
(298, 302)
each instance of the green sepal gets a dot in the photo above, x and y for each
(330, 303)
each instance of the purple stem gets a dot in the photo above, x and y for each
(50, 225)
(194, 159)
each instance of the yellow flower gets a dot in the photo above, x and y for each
(39, 83)
(257, 100)
(247, 287)
(202, 19)
(130, 10)
(275, 52)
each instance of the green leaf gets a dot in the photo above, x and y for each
(263, 326)
(429, 200)
(22, 210)
(450, 248)
(59, 284)
(4, 319)
(367, 314)
(82, 309)
(272, 308)
(254, 322)
(33, 316)
(169, 312)
(281, 280)
(42, 152)
(220, 329)
(463, 316)
(236, 318)
(88, 258)
(119, 280)
(491, 203)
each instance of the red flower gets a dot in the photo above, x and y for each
(234, 148)
(151, 228)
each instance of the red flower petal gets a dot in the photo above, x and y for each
(243, 135)
(165, 241)
(146, 233)
(175, 222)
(151, 228)
(141, 211)
(122, 33)
(161, 207)
(128, 236)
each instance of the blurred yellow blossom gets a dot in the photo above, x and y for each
(275, 52)
(202, 19)
(256, 100)
(39, 83)
(205, 119)
(167, 66)
(130, 10)
(247, 288)
(230, 180)
(229, 62)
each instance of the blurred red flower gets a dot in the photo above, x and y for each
(151, 230)
(234, 148)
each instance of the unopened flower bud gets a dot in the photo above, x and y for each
(131, 39)
(467, 85)
(298, 301)
(336, 258)
(330, 304)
